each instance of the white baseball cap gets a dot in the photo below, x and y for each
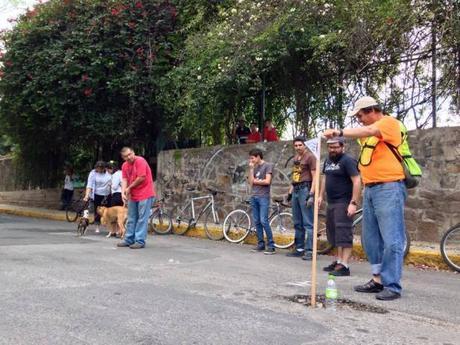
(363, 102)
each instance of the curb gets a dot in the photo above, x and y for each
(416, 257)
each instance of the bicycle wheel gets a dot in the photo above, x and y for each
(181, 219)
(323, 245)
(73, 211)
(213, 227)
(161, 222)
(283, 231)
(237, 226)
(450, 247)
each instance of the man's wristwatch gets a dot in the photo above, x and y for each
(353, 203)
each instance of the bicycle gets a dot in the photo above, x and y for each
(238, 225)
(76, 208)
(450, 247)
(160, 220)
(325, 247)
(186, 217)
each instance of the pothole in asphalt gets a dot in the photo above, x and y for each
(341, 303)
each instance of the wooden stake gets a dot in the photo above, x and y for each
(315, 226)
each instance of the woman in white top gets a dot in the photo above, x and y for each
(116, 199)
(98, 188)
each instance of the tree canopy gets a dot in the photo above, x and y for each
(81, 78)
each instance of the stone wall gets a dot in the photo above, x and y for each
(431, 208)
(46, 198)
(7, 174)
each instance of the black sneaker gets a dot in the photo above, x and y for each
(122, 244)
(370, 287)
(340, 271)
(387, 295)
(258, 249)
(269, 251)
(330, 268)
(295, 254)
(136, 245)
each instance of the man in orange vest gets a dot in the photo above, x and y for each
(384, 196)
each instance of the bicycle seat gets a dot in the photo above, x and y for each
(247, 201)
(212, 191)
(278, 200)
(190, 189)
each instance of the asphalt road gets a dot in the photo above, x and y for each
(60, 289)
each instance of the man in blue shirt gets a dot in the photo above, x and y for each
(342, 184)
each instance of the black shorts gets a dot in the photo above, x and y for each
(339, 226)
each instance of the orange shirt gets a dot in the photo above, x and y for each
(384, 166)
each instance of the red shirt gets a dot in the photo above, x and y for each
(270, 134)
(254, 137)
(139, 168)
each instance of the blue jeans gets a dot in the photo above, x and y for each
(303, 219)
(138, 218)
(260, 206)
(384, 231)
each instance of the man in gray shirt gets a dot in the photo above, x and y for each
(260, 179)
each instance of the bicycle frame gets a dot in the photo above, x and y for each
(210, 203)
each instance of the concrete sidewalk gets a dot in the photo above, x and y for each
(420, 253)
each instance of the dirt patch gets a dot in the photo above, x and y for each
(341, 303)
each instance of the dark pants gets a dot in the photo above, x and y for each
(66, 198)
(116, 200)
(100, 200)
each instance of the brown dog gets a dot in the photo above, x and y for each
(114, 218)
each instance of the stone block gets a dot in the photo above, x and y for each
(428, 231)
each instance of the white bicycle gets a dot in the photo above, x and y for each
(238, 225)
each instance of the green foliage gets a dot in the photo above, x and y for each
(80, 77)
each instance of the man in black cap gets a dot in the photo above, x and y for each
(342, 184)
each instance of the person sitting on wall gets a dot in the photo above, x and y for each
(241, 132)
(270, 131)
(255, 136)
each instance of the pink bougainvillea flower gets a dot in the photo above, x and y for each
(84, 77)
(132, 25)
(88, 91)
(1, 74)
(115, 11)
(8, 63)
(139, 4)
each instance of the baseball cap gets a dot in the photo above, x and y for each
(340, 140)
(363, 102)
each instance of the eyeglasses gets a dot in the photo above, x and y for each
(298, 145)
